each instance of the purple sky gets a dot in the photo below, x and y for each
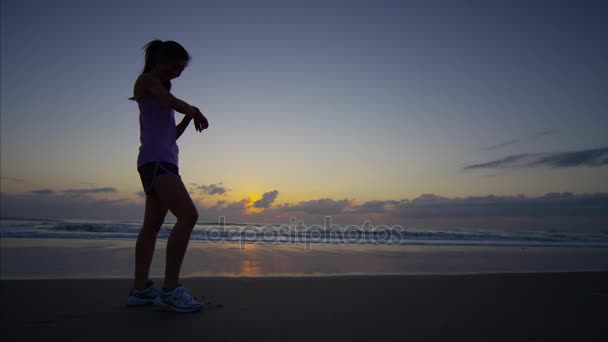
(312, 104)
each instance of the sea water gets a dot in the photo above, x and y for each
(60, 248)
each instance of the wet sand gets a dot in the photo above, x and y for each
(108, 258)
(475, 307)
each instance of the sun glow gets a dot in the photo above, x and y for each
(251, 199)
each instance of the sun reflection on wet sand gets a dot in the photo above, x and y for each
(250, 262)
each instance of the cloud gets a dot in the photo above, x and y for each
(243, 210)
(266, 200)
(240, 205)
(213, 189)
(515, 141)
(235, 211)
(43, 192)
(374, 207)
(89, 191)
(427, 199)
(13, 179)
(323, 206)
(550, 204)
(46, 203)
(552, 210)
(591, 157)
(79, 191)
(506, 143)
(543, 133)
(504, 162)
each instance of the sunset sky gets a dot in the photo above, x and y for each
(321, 107)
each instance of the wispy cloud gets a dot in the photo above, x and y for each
(506, 143)
(515, 141)
(89, 191)
(13, 179)
(510, 161)
(592, 157)
(543, 133)
(77, 191)
(43, 192)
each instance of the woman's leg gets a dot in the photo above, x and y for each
(174, 195)
(144, 249)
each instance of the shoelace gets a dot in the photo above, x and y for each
(185, 296)
(180, 290)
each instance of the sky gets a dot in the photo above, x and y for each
(353, 108)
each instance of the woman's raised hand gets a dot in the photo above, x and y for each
(200, 121)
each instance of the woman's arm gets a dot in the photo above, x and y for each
(155, 87)
(181, 127)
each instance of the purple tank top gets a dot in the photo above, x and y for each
(156, 132)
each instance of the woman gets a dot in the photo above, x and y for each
(157, 164)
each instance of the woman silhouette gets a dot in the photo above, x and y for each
(157, 164)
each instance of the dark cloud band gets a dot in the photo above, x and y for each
(592, 157)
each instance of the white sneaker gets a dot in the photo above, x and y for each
(179, 299)
(143, 297)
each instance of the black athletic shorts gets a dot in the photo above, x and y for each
(149, 171)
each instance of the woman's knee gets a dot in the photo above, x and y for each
(190, 216)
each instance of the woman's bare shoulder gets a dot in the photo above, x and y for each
(139, 89)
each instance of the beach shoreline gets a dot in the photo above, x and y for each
(26, 258)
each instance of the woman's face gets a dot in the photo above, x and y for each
(172, 70)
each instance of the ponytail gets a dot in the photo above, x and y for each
(157, 51)
(153, 49)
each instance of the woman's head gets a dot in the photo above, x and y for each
(166, 59)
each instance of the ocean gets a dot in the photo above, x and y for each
(307, 234)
